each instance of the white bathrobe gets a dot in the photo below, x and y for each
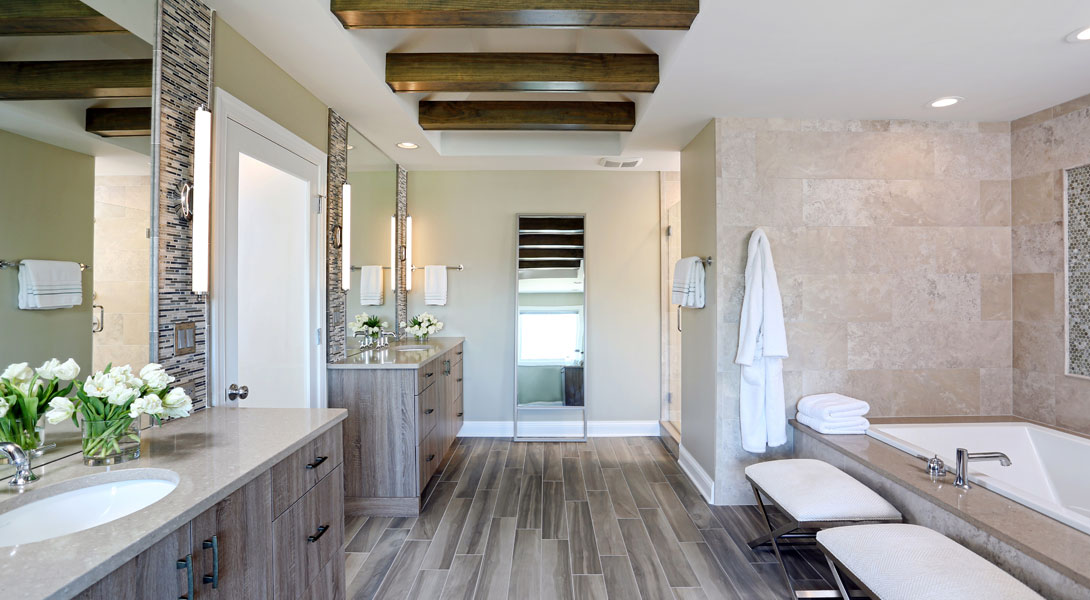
(762, 344)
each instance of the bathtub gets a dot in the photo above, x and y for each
(1049, 472)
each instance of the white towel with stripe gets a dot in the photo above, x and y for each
(688, 286)
(371, 288)
(49, 284)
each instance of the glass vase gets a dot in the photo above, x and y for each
(423, 339)
(110, 442)
(30, 439)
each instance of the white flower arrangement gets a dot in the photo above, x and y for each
(367, 325)
(422, 325)
(24, 395)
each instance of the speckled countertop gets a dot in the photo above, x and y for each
(398, 355)
(1064, 548)
(214, 452)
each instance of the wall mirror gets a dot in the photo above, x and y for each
(372, 177)
(76, 113)
(550, 345)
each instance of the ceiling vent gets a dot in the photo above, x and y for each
(620, 162)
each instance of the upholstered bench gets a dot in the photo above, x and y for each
(909, 562)
(814, 495)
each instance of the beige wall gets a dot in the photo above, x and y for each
(48, 210)
(699, 326)
(244, 72)
(1043, 145)
(374, 201)
(468, 217)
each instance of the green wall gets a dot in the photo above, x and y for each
(47, 196)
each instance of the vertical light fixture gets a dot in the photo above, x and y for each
(408, 253)
(346, 237)
(202, 182)
(393, 253)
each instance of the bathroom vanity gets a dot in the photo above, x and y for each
(404, 411)
(257, 512)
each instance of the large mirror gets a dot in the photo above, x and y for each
(372, 178)
(550, 348)
(76, 186)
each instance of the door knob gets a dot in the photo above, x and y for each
(235, 392)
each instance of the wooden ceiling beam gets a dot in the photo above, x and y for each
(527, 116)
(549, 239)
(119, 122)
(549, 253)
(522, 72)
(549, 264)
(53, 17)
(75, 79)
(606, 14)
(538, 224)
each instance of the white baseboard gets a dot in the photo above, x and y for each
(560, 429)
(700, 478)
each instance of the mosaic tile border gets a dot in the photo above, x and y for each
(336, 177)
(402, 267)
(1077, 264)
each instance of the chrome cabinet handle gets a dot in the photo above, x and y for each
(317, 461)
(428, 374)
(446, 367)
(97, 325)
(187, 564)
(318, 534)
(429, 411)
(459, 380)
(430, 458)
(460, 414)
(214, 545)
(459, 353)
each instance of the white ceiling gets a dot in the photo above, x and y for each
(839, 59)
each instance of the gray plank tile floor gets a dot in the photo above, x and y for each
(613, 518)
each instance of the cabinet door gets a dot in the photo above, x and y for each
(307, 537)
(158, 572)
(230, 542)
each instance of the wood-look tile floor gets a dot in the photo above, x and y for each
(611, 518)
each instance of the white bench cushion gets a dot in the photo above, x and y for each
(909, 562)
(813, 490)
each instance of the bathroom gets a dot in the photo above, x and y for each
(533, 410)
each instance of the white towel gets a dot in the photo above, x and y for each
(762, 344)
(688, 286)
(49, 284)
(435, 285)
(850, 426)
(832, 407)
(371, 288)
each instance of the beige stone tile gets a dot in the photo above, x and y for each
(1034, 297)
(995, 127)
(852, 126)
(1039, 346)
(972, 249)
(122, 265)
(893, 249)
(843, 298)
(134, 329)
(935, 392)
(973, 155)
(1035, 396)
(824, 251)
(1033, 119)
(857, 202)
(816, 346)
(995, 203)
(1037, 198)
(929, 345)
(731, 290)
(761, 203)
(754, 124)
(1071, 139)
(904, 125)
(1037, 248)
(134, 355)
(123, 296)
(1032, 150)
(996, 391)
(731, 245)
(735, 153)
(1072, 403)
(792, 292)
(930, 297)
(995, 298)
(846, 155)
(1072, 105)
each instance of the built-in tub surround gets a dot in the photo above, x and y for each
(214, 453)
(1047, 555)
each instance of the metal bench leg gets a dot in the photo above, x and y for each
(837, 579)
(772, 539)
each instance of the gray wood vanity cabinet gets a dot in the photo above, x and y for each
(401, 427)
(280, 536)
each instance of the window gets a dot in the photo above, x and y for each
(551, 335)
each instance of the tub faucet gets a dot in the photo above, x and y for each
(964, 457)
(19, 459)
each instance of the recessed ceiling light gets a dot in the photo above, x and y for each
(945, 101)
(1079, 35)
(407, 146)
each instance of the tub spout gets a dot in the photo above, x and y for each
(964, 457)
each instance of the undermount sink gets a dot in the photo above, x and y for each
(82, 503)
(412, 348)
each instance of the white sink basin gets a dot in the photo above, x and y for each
(412, 348)
(91, 503)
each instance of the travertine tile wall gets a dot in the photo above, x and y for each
(1043, 145)
(892, 242)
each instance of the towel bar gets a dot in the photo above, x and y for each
(14, 264)
(450, 267)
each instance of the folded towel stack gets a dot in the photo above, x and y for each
(371, 288)
(688, 286)
(833, 414)
(49, 284)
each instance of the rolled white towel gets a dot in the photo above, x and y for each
(855, 425)
(832, 406)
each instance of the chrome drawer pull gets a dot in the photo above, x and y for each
(428, 374)
(214, 545)
(318, 534)
(429, 411)
(459, 380)
(187, 564)
(317, 461)
(459, 353)
(459, 414)
(430, 458)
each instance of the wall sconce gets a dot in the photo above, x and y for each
(346, 237)
(408, 253)
(202, 181)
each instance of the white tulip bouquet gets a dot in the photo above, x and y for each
(369, 326)
(422, 325)
(24, 395)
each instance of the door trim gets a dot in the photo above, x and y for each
(227, 107)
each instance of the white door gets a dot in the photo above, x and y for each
(271, 258)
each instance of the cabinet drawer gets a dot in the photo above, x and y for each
(293, 476)
(428, 455)
(456, 379)
(426, 376)
(307, 536)
(330, 583)
(456, 354)
(428, 407)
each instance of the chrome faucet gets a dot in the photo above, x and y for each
(21, 462)
(964, 457)
(384, 339)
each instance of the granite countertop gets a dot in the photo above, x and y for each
(1062, 547)
(392, 358)
(213, 453)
